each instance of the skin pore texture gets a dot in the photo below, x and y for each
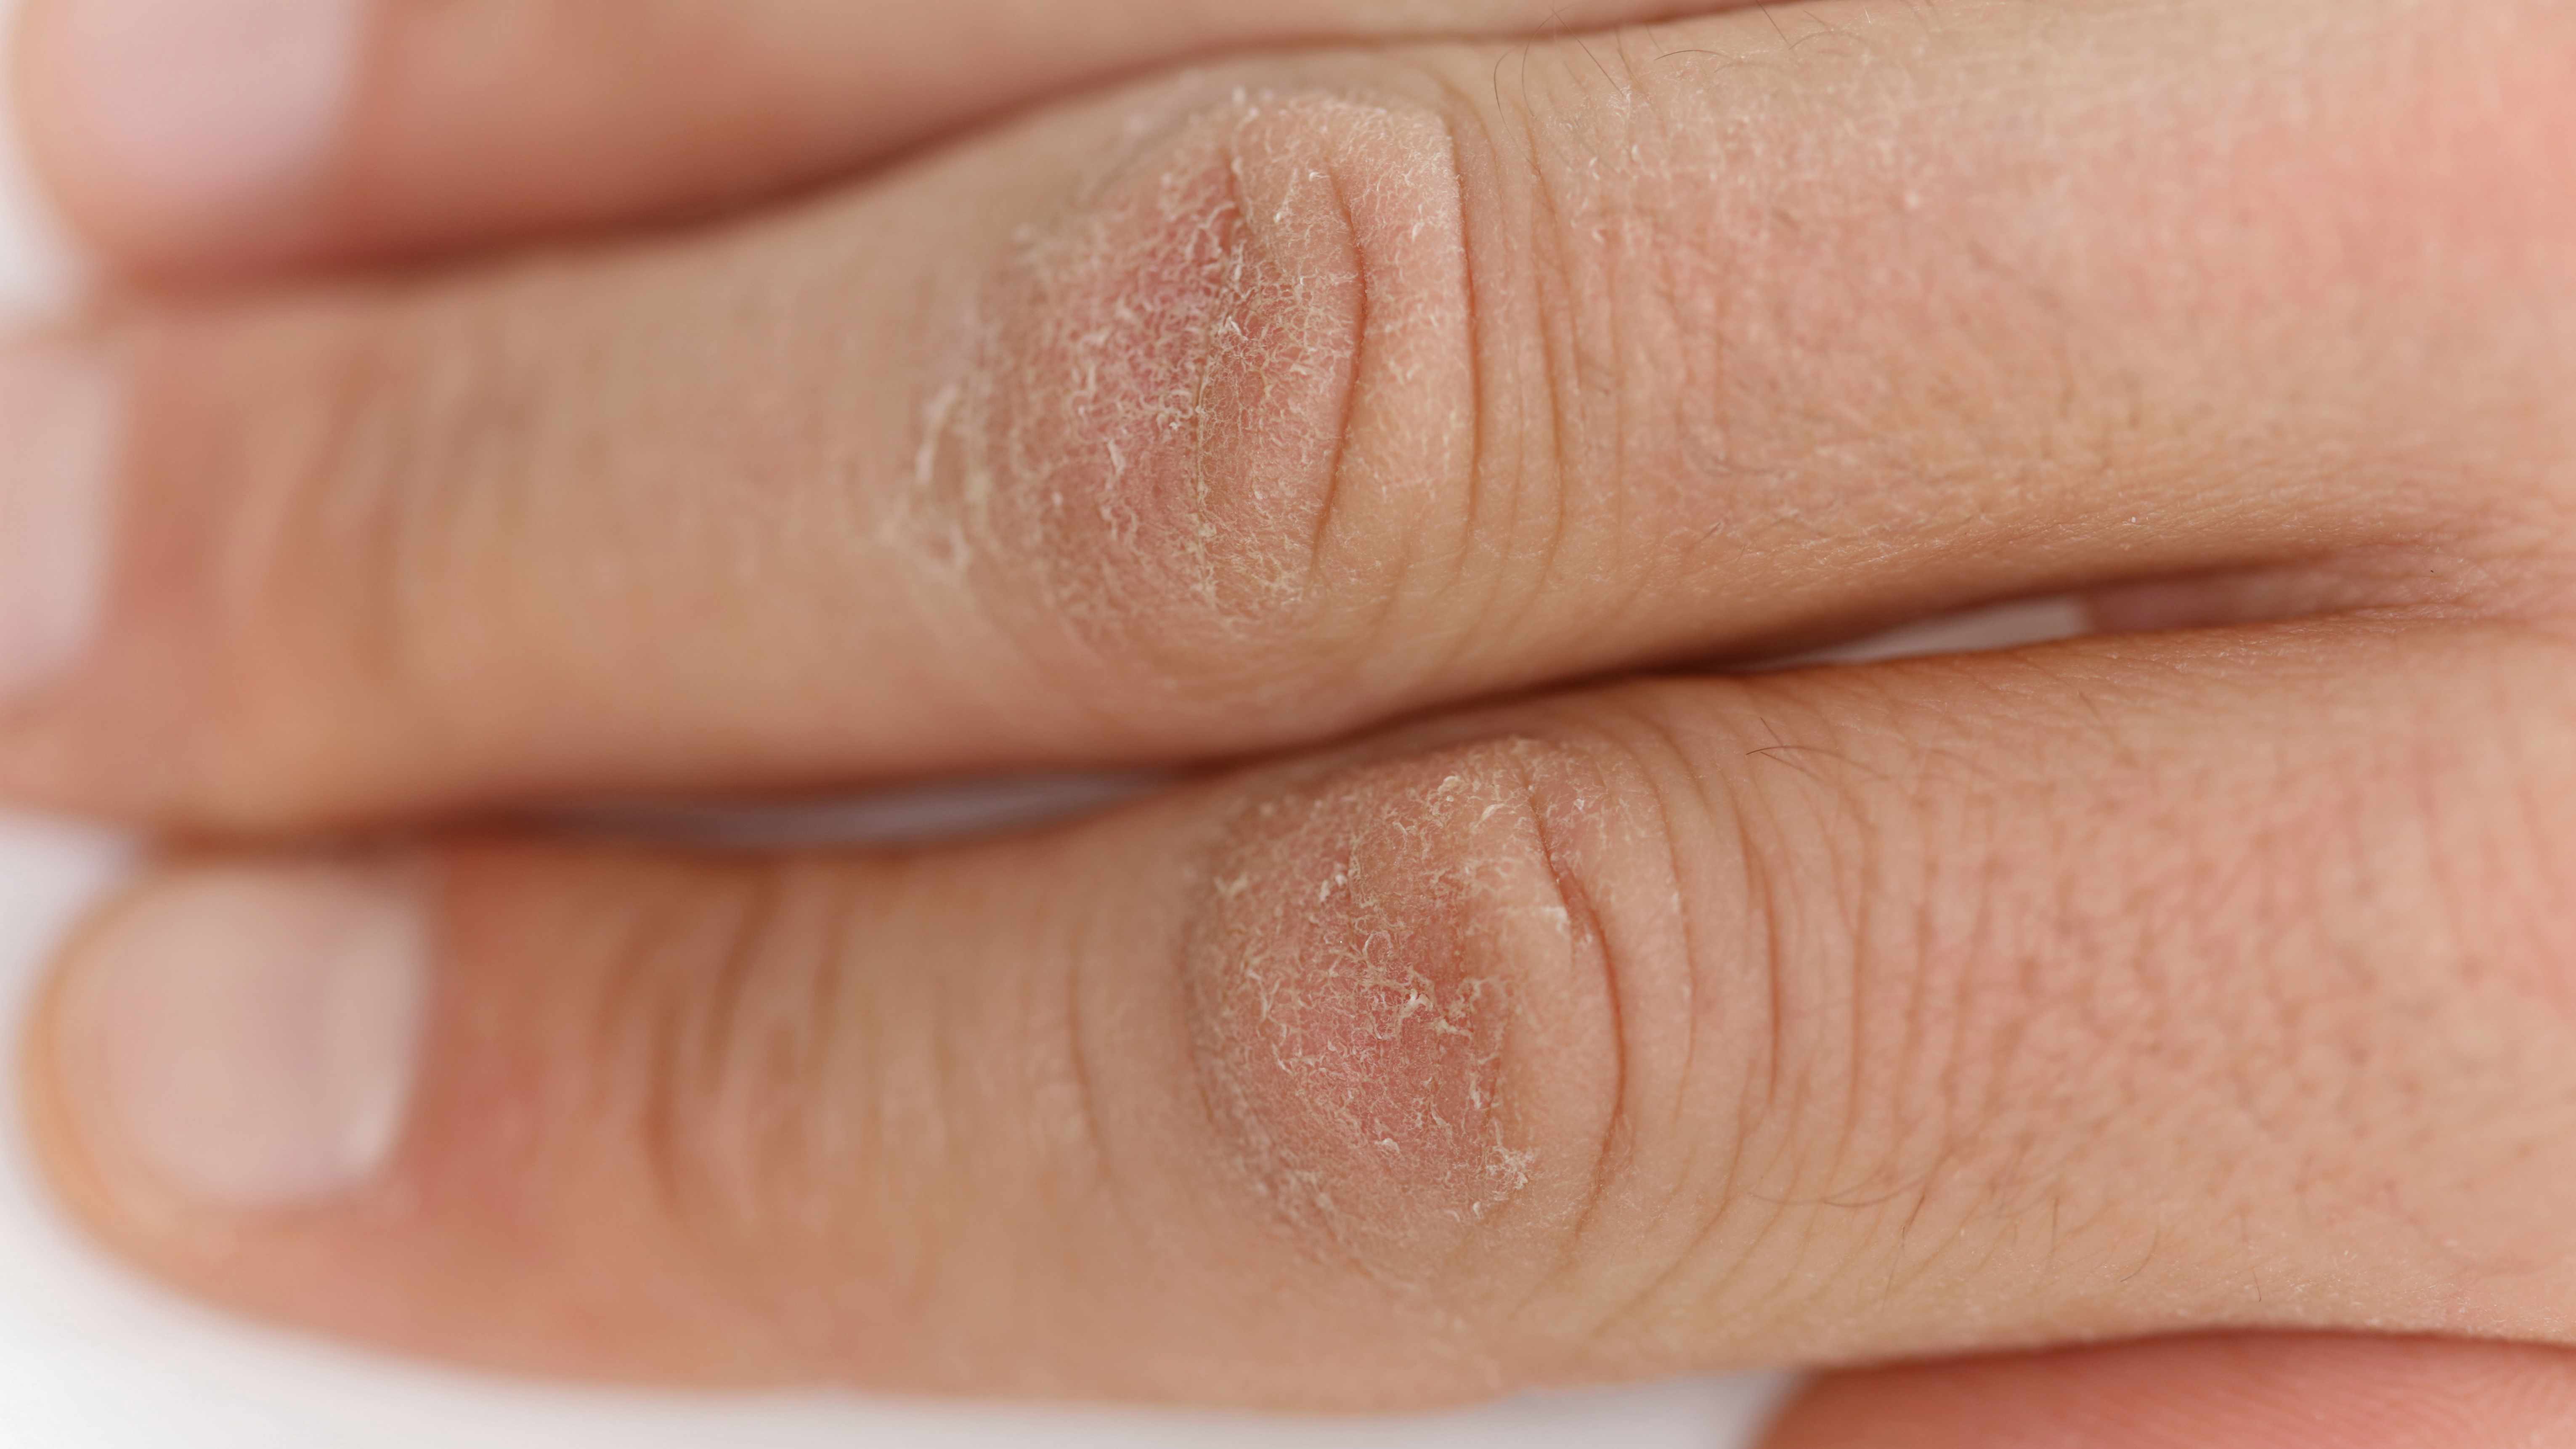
(1154, 394)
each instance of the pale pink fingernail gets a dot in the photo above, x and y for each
(210, 108)
(247, 1035)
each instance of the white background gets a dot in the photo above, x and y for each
(91, 1359)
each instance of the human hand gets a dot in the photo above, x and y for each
(2198, 981)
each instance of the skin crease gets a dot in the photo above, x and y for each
(2128, 988)
(1153, 396)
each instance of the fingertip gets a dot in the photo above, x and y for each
(232, 1083)
(183, 135)
(233, 1040)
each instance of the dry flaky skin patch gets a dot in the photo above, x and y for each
(1353, 986)
(1145, 412)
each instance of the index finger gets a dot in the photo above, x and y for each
(210, 136)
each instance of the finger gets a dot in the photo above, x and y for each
(2110, 990)
(1339, 392)
(199, 136)
(2214, 1393)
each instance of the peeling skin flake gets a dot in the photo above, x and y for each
(1353, 995)
(1145, 408)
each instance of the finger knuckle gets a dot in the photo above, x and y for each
(1399, 1003)
(1178, 396)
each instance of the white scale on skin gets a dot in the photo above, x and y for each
(1354, 981)
(1153, 394)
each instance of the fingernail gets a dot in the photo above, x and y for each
(210, 106)
(59, 425)
(247, 1036)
